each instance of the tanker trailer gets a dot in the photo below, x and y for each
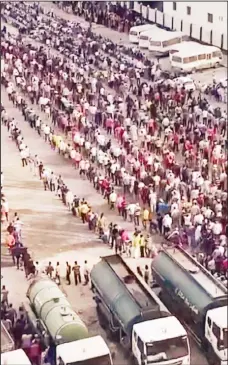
(58, 322)
(134, 314)
(196, 298)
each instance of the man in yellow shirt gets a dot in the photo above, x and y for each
(84, 210)
(145, 217)
(142, 244)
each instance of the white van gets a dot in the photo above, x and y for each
(197, 58)
(155, 39)
(137, 30)
(164, 42)
(144, 38)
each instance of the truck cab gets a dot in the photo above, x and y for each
(89, 351)
(161, 341)
(16, 357)
(216, 334)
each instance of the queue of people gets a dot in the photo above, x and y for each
(148, 131)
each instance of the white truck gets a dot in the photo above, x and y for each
(15, 357)
(131, 312)
(196, 298)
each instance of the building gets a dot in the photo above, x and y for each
(211, 15)
(202, 21)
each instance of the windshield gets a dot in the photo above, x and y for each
(133, 32)
(101, 360)
(169, 349)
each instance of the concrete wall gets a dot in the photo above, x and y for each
(199, 13)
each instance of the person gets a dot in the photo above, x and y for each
(86, 273)
(142, 245)
(24, 157)
(17, 333)
(146, 274)
(11, 314)
(57, 273)
(77, 273)
(139, 271)
(35, 351)
(68, 273)
(49, 269)
(5, 294)
(26, 341)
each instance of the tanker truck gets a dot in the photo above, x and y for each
(197, 298)
(59, 326)
(134, 315)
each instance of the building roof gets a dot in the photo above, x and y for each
(160, 329)
(81, 350)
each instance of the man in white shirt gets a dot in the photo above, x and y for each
(46, 132)
(166, 223)
(217, 228)
(112, 199)
(24, 156)
(82, 168)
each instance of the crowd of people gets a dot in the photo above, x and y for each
(16, 324)
(156, 153)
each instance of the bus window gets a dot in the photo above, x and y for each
(144, 37)
(193, 59)
(177, 59)
(133, 32)
(170, 42)
(155, 43)
(209, 56)
(216, 54)
(201, 57)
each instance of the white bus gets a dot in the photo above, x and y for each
(158, 34)
(196, 58)
(137, 30)
(144, 38)
(164, 42)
